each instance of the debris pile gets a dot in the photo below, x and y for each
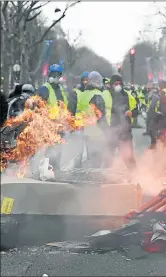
(145, 232)
(130, 240)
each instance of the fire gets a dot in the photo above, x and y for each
(43, 126)
(22, 169)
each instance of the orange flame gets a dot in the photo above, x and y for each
(43, 127)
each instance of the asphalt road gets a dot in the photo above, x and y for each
(43, 260)
(37, 261)
(140, 142)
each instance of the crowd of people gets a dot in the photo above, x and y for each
(118, 104)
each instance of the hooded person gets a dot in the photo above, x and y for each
(84, 80)
(95, 135)
(106, 83)
(152, 98)
(93, 94)
(75, 94)
(124, 109)
(17, 104)
(158, 111)
(3, 108)
(79, 102)
(17, 91)
(29, 89)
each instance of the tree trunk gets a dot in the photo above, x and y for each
(5, 74)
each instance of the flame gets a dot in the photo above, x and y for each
(22, 169)
(43, 126)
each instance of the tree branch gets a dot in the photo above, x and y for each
(19, 12)
(55, 22)
(34, 16)
(162, 14)
(27, 13)
(4, 7)
(12, 2)
(40, 6)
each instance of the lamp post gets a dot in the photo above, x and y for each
(149, 68)
(16, 70)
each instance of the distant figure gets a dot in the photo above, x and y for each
(17, 91)
(3, 108)
(17, 102)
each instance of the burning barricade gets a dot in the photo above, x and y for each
(37, 129)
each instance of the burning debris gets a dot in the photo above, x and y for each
(43, 126)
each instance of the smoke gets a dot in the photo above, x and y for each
(116, 197)
(103, 191)
(108, 152)
(150, 172)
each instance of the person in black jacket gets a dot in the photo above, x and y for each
(121, 129)
(84, 81)
(3, 108)
(17, 102)
(17, 91)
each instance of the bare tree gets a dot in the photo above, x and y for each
(89, 61)
(144, 50)
(19, 20)
(73, 44)
(66, 47)
(161, 11)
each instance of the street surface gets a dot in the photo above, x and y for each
(140, 142)
(37, 261)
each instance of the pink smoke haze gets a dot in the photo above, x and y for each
(151, 170)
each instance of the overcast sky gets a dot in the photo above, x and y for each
(109, 28)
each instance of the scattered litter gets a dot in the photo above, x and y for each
(159, 232)
(134, 252)
(66, 244)
(78, 248)
(46, 170)
(100, 233)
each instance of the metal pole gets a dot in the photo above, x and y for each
(132, 68)
(132, 73)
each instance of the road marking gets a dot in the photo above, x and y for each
(7, 205)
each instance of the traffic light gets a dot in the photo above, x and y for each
(132, 55)
(150, 76)
(119, 68)
(132, 63)
(160, 76)
(45, 69)
(132, 51)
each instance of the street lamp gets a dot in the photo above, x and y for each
(16, 70)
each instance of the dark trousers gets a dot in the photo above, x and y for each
(122, 143)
